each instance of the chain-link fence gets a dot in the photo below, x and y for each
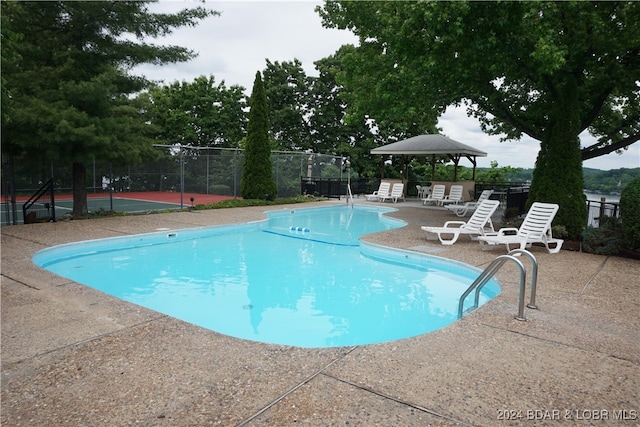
(199, 170)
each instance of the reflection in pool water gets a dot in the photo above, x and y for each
(300, 278)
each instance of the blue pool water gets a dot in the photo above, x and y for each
(302, 277)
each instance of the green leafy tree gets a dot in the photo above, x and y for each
(495, 173)
(549, 70)
(199, 113)
(287, 89)
(257, 175)
(331, 132)
(308, 113)
(392, 106)
(630, 214)
(611, 181)
(69, 84)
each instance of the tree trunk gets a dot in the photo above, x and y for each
(557, 177)
(80, 208)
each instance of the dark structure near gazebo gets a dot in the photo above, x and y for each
(434, 146)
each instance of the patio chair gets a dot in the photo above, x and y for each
(462, 210)
(397, 192)
(479, 223)
(423, 191)
(454, 196)
(382, 191)
(437, 194)
(536, 228)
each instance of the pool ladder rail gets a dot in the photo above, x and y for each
(349, 195)
(492, 269)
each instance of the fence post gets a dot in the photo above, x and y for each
(110, 187)
(235, 173)
(602, 203)
(181, 177)
(52, 199)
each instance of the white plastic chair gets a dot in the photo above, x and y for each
(479, 223)
(382, 191)
(454, 196)
(397, 192)
(462, 210)
(536, 228)
(423, 191)
(437, 194)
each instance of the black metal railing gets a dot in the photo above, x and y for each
(334, 187)
(600, 208)
(39, 207)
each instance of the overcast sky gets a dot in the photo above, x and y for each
(233, 46)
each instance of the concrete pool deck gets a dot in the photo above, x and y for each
(72, 355)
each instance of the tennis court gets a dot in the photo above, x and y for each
(126, 202)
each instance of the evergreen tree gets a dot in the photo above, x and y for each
(66, 73)
(257, 178)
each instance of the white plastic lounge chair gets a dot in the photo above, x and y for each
(454, 196)
(462, 210)
(437, 194)
(536, 228)
(479, 223)
(382, 191)
(397, 192)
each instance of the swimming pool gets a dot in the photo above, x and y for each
(302, 277)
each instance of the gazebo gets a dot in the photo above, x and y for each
(434, 146)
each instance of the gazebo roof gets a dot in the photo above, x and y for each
(431, 144)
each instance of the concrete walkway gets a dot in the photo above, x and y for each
(75, 356)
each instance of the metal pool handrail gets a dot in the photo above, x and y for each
(534, 274)
(492, 269)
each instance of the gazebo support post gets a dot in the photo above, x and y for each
(433, 167)
(456, 159)
(472, 159)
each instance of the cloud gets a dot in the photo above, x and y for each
(523, 153)
(456, 125)
(234, 46)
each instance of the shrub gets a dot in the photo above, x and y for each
(630, 214)
(605, 239)
(510, 214)
(559, 232)
(243, 203)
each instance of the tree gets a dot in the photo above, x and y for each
(545, 69)
(331, 131)
(257, 177)
(200, 113)
(68, 82)
(287, 86)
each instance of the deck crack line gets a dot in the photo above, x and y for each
(593, 276)
(88, 340)
(20, 282)
(386, 396)
(295, 387)
(559, 343)
(24, 239)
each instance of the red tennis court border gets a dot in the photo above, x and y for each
(154, 196)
